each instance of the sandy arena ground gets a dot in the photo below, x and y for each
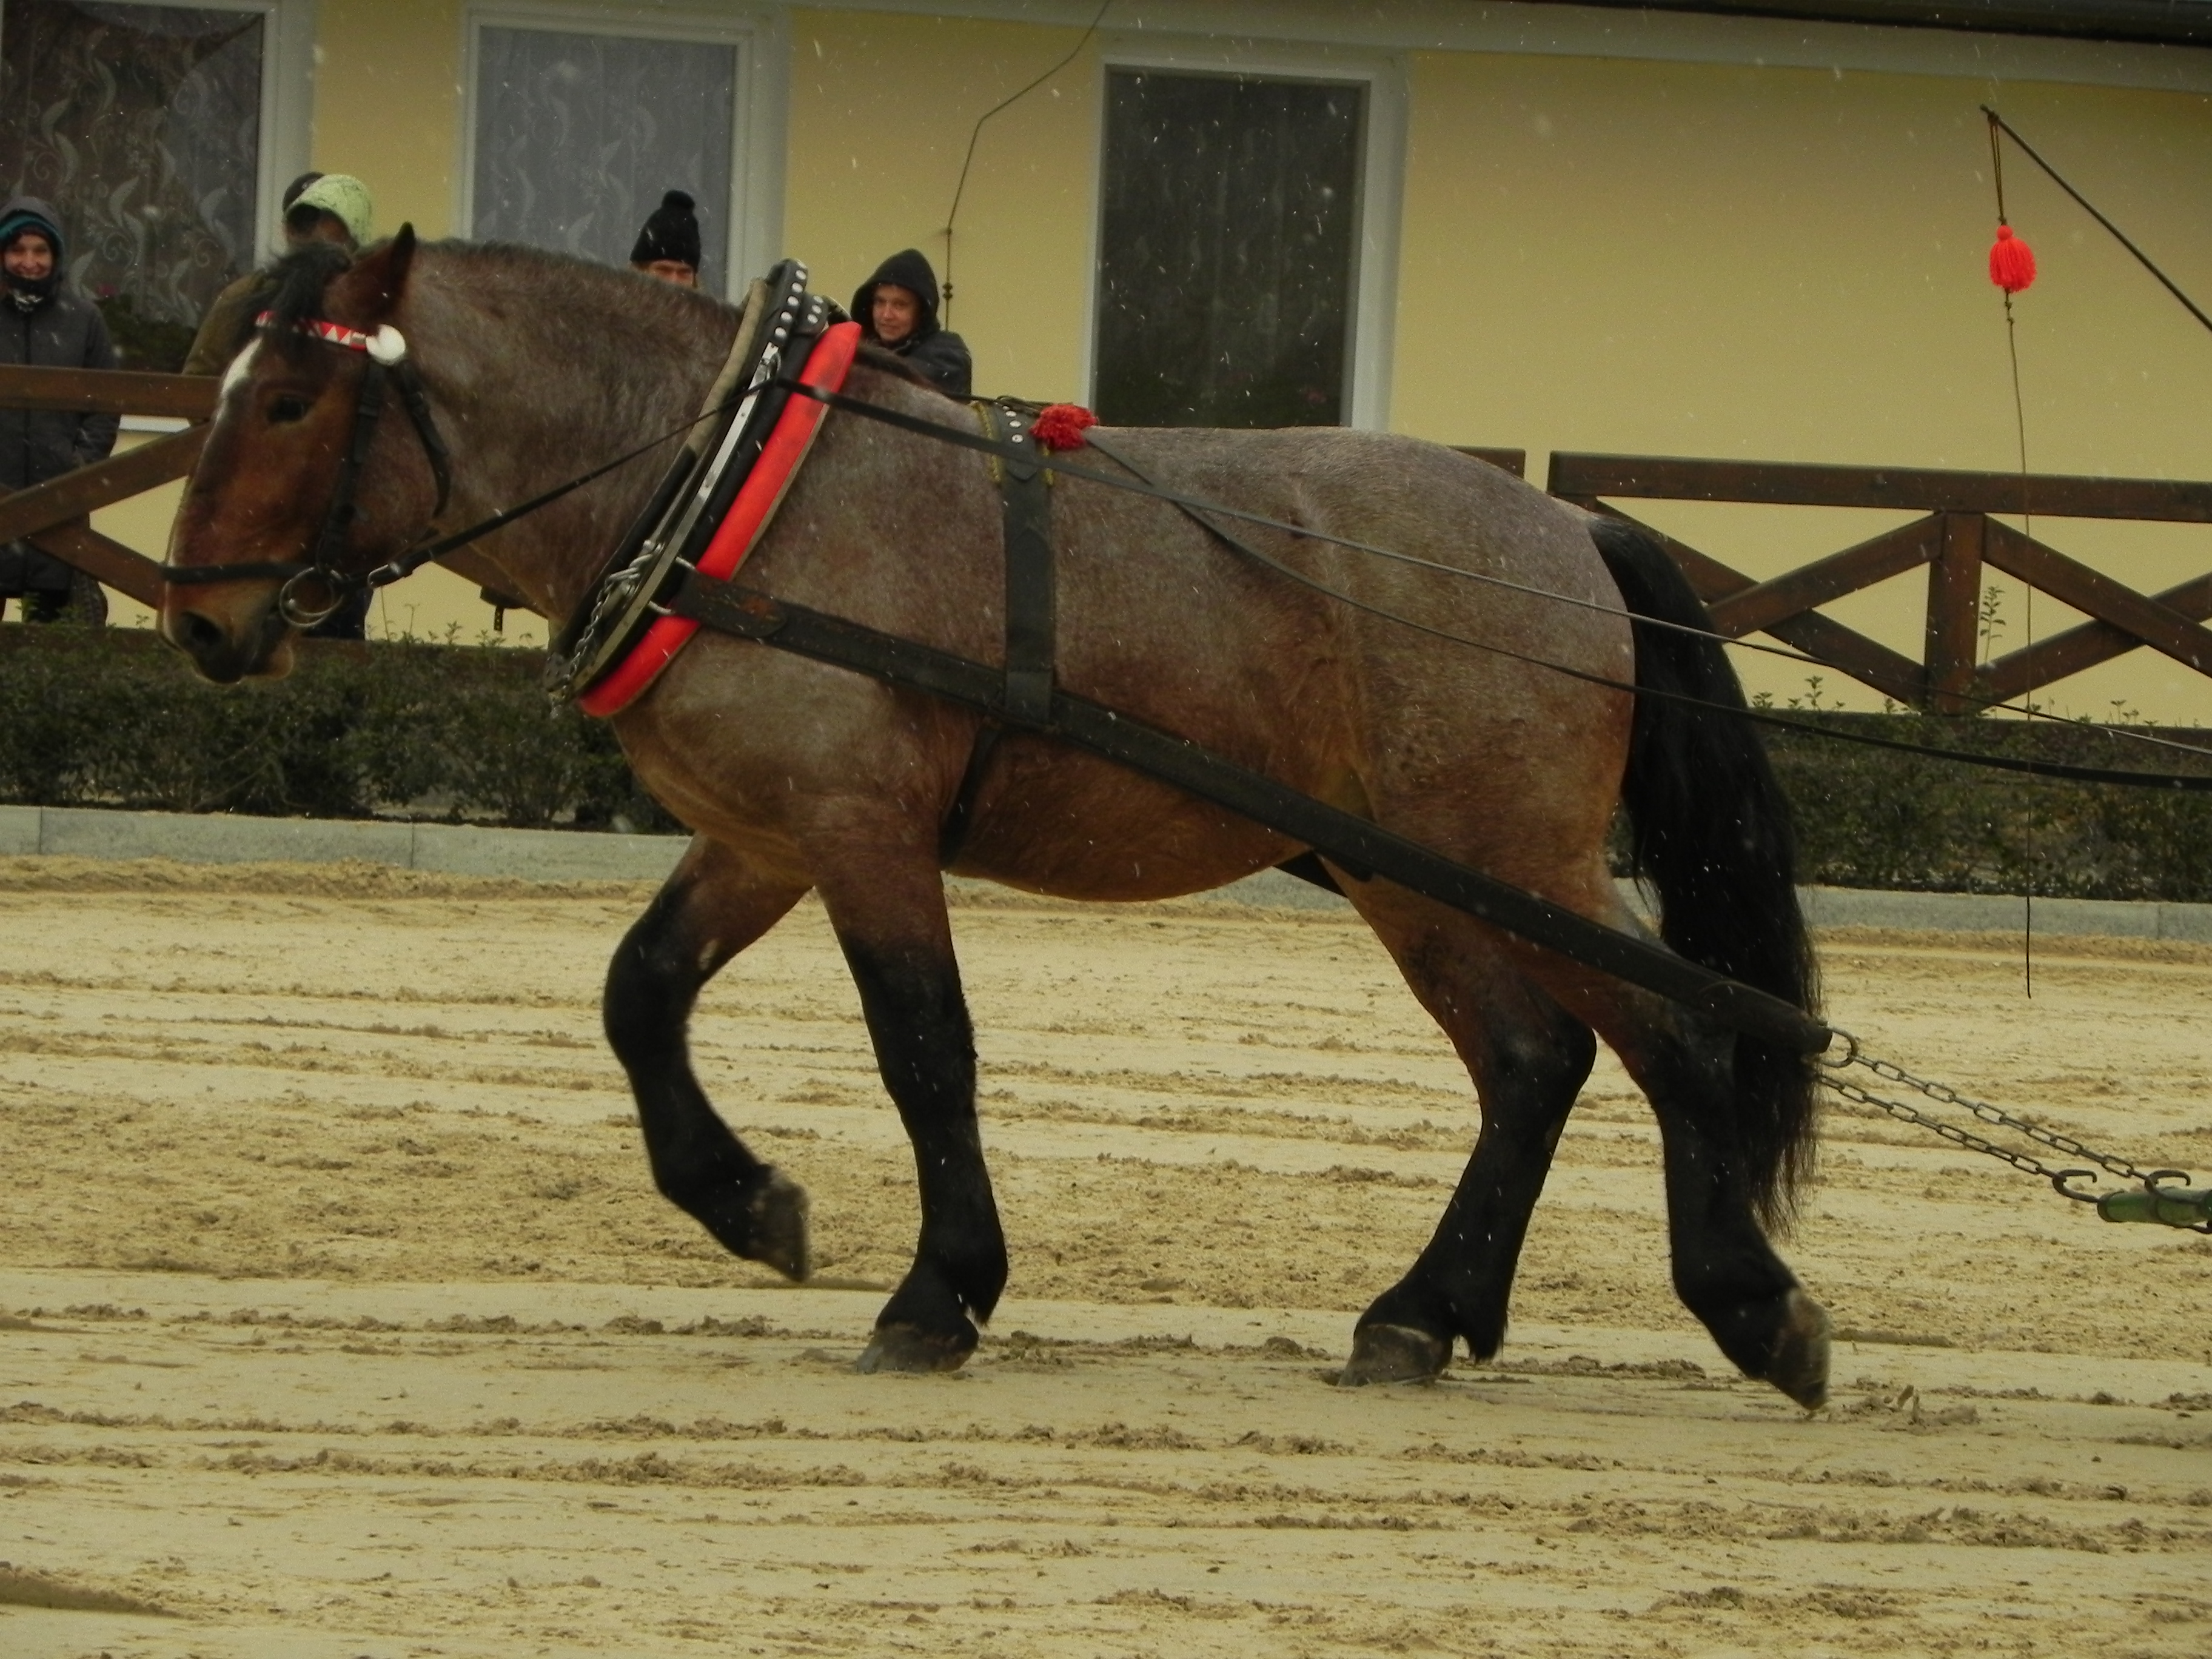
(337, 1317)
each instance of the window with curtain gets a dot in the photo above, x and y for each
(577, 135)
(142, 126)
(1230, 224)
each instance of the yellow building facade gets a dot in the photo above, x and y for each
(1580, 228)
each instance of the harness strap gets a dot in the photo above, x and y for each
(1345, 840)
(1031, 597)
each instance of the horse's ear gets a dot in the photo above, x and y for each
(378, 278)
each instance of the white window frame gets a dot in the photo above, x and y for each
(287, 90)
(1374, 249)
(755, 208)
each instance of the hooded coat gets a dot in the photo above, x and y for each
(64, 331)
(939, 354)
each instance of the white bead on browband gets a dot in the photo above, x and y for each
(387, 345)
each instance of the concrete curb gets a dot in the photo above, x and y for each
(567, 855)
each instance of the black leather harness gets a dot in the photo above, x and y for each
(1032, 607)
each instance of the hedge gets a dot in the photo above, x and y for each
(462, 732)
(456, 733)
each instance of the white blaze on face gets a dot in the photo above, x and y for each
(241, 367)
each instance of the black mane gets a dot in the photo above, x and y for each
(298, 281)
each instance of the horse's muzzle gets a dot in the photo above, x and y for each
(227, 648)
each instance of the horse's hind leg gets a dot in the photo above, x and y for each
(712, 908)
(887, 905)
(1725, 1270)
(1529, 1059)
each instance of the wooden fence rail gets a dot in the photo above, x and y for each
(52, 516)
(1957, 539)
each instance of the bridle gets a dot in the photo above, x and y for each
(314, 589)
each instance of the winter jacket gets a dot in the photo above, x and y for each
(65, 330)
(939, 354)
(228, 323)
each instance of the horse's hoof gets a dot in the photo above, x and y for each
(918, 1353)
(779, 1227)
(1800, 1365)
(1393, 1353)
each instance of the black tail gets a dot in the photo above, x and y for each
(1710, 830)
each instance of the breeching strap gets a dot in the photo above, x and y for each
(1348, 840)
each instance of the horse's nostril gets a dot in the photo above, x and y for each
(199, 635)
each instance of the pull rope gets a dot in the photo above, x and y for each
(1998, 124)
(953, 214)
(2027, 524)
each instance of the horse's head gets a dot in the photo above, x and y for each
(270, 495)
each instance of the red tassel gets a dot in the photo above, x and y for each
(1060, 426)
(2012, 267)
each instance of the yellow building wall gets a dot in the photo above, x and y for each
(388, 105)
(1789, 264)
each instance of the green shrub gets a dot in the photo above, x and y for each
(459, 732)
(463, 733)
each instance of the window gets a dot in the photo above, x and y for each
(576, 136)
(141, 125)
(1228, 236)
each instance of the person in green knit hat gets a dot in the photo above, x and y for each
(319, 207)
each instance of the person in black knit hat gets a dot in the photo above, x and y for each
(668, 246)
(897, 307)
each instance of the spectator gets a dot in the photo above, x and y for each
(897, 307)
(668, 246)
(48, 323)
(326, 207)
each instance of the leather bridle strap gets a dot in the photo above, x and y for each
(386, 352)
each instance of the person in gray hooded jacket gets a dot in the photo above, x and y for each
(44, 322)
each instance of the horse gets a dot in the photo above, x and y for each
(796, 777)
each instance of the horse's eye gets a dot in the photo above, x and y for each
(285, 409)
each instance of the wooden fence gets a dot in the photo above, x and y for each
(1955, 537)
(52, 516)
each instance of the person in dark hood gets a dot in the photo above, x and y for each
(668, 246)
(46, 322)
(897, 307)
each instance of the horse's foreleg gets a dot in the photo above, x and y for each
(711, 908)
(888, 909)
(1529, 1060)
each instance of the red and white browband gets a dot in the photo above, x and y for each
(387, 345)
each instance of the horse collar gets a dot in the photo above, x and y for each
(716, 500)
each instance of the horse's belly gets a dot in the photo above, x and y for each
(1074, 826)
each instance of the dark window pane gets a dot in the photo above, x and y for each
(141, 125)
(1225, 250)
(577, 135)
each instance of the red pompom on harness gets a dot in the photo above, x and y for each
(1060, 426)
(2012, 266)
(743, 526)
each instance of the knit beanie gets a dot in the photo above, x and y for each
(671, 233)
(346, 199)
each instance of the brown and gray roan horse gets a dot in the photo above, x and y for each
(797, 777)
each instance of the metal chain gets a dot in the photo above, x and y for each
(1982, 1110)
(1966, 1138)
